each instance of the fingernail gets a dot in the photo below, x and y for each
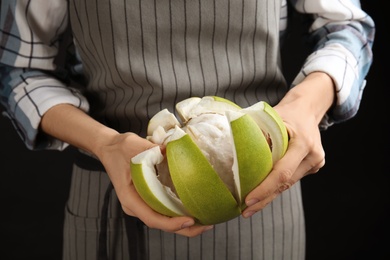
(187, 224)
(249, 214)
(208, 228)
(251, 202)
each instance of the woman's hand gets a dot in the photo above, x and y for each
(116, 156)
(115, 151)
(301, 110)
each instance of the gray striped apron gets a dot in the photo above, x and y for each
(143, 56)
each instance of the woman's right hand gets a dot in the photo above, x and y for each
(69, 124)
(116, 156)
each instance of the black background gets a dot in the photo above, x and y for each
(347, 202)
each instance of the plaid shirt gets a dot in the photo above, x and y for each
(38, 60)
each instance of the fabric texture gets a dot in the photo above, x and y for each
(277, 232)
(123, 61)
(33, 41)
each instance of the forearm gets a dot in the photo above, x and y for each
(30, 93)
(313, 96)
(74, 126)
(341, 35)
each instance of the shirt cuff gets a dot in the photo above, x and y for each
(341, 66)
(31, 99)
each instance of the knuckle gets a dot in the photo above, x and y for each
(285, 180)
(319, 154)
(317, 167)
(285, 186)
(285, 175)
(318, 161)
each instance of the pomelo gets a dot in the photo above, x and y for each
(215, 155)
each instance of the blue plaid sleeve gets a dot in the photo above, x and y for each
(33, 77)
(342, 35)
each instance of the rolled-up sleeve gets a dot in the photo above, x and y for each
(342, 35)
(32, 51)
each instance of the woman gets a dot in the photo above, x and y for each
(92, 73)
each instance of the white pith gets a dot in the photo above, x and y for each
(269, 125)
(163, 193)
(164, 119)
(232, 116)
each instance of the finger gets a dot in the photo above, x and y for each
(194, 230)
(284, 174)
(281, 174)
(278, 181)
(182, 225)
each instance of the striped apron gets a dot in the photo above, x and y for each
(143, 56)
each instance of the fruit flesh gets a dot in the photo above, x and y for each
(211, 133)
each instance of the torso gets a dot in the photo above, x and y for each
(143, 56)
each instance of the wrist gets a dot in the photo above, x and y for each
(315, 94)
(103, 136)
(73, 126)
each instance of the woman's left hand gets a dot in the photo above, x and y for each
(301, 110)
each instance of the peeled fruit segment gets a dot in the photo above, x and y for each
(197, 184)
(215, 155)
(164, 119)
(195, 106)
(252, 155)
(272, 124)
(162, 199)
